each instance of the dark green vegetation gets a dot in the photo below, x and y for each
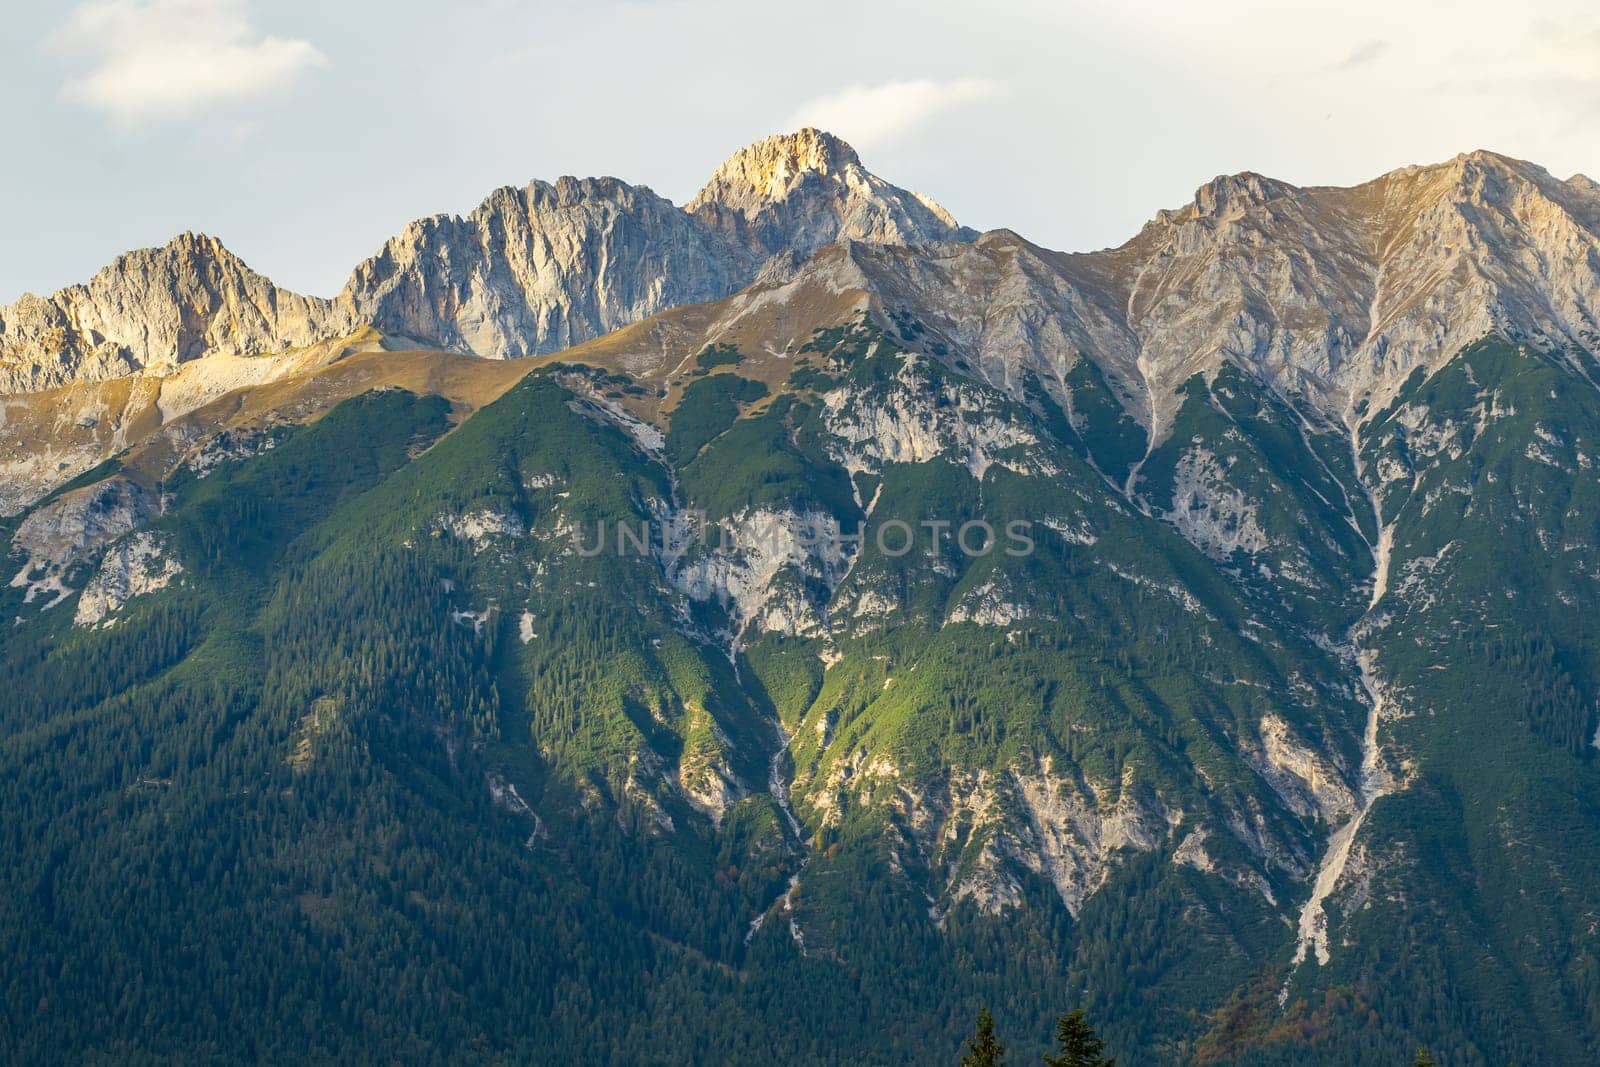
(984, 1049)
(397, 770)
(1076, 1044)
(708, 408)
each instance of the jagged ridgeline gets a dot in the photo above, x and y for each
(811, 622)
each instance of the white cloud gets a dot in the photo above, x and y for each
(166, 59)
(871, 114)
(1363, 55)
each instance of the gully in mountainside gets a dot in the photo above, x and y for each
(1375, 782)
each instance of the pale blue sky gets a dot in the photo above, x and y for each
(304, 133)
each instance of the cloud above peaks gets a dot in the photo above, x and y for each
(157, 60)
(868, 115)
(1363, 55)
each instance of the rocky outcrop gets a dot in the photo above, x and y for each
(132, 567)
(1212, 515)
(977, 831)
(482, 527)
(917, 418)
(771, 569)
(69, 532)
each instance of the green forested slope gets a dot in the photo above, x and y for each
(395, 770)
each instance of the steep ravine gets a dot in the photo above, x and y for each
(780, 796)
(1313, 927)
(1374, 780)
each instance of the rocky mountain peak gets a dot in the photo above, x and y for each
(191, 260)
(192, 245)
(804, 190)
(1340, 293)
(1230, 195)
(1483, 161)
(770, 169)
(1474, 179)
(148, 311)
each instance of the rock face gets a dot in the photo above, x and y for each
(774, 568)
(149, 311)
(542, 268)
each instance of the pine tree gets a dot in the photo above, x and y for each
(984, 1050)
(1423, 1059)
(1078, 1044)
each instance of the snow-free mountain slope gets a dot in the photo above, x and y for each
(1339, 293)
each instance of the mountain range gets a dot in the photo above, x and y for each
(334, 726)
